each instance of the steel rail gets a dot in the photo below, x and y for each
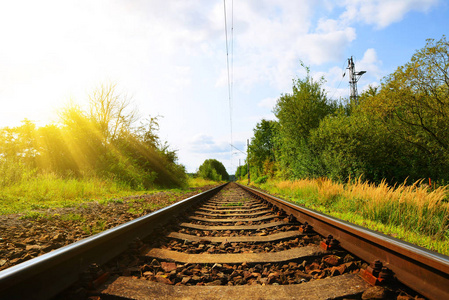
(424, 271)
(47, 275)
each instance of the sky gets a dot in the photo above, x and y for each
(170, 58)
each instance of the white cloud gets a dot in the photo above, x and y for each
(268, 102)
(382, 13)
(202, 143)
(327, 46)
(276, 37)
(371, 64)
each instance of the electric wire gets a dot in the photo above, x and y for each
(227, 64)
(341, 80)
(232, 73)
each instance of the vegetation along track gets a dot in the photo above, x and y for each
(232, 242)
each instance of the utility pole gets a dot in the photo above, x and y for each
(353, 79)
(247, 160)
(243, 153)
(239, 170)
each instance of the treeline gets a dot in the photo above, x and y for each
(102, 141)
(213, 169)
(396, 132)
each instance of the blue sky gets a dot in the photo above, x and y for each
(170, 58)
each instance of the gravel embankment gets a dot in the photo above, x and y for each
(24, 238)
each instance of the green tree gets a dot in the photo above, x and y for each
(213, 169)
(262, 149)
(413, 106)
(355, 145)
(299, 113)
(101, 141)
(241, 172)
(54, 153)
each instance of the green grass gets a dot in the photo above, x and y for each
(50, 191)
(72, 217)
(34, 215)
(233, 204)
(97, 227)
(411, 213)
(200, 182)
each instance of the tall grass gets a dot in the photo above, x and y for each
(49, 190)
(405, 211)
(200, 182)
(41, 191)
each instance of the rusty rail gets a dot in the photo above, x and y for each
(47, 275)
(424, 271)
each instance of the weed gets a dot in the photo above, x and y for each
(94, 227)
(72, 217)
(233, 204)
(35, 215)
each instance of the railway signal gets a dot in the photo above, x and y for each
(353, 79)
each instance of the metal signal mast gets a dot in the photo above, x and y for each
(353, 79)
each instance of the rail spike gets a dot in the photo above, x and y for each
(376, 274)
(330, 243)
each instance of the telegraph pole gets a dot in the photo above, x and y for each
(353, 79)
(247, 159)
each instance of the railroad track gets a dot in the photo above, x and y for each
(232, 242)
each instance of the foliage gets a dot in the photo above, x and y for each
(396, 132)
(263, 148)
(389, 138)
(213, 169)
(241, 172)
(102, 141)
(299, 113)
(261, 179)
(413, 107)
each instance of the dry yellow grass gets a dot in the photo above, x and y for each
(373, 195)
(416, 209)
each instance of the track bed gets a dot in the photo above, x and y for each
(232, 242)
(235, 246)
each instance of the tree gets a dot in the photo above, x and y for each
(299, 113)
(413, 106)
(241, 172)
(355, 145)
(110, 112)
(213, 169)
(262, 149)
(416, 97)
(100, 141)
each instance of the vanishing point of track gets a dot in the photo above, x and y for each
(232, 242)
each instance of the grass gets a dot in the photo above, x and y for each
(200, 182)
(94, 228)
(50, 191)
(233, 204)
(413, 213)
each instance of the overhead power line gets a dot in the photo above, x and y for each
(341, 80)
(230, 79)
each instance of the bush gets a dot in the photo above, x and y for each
(261, 179)
(213, 169)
